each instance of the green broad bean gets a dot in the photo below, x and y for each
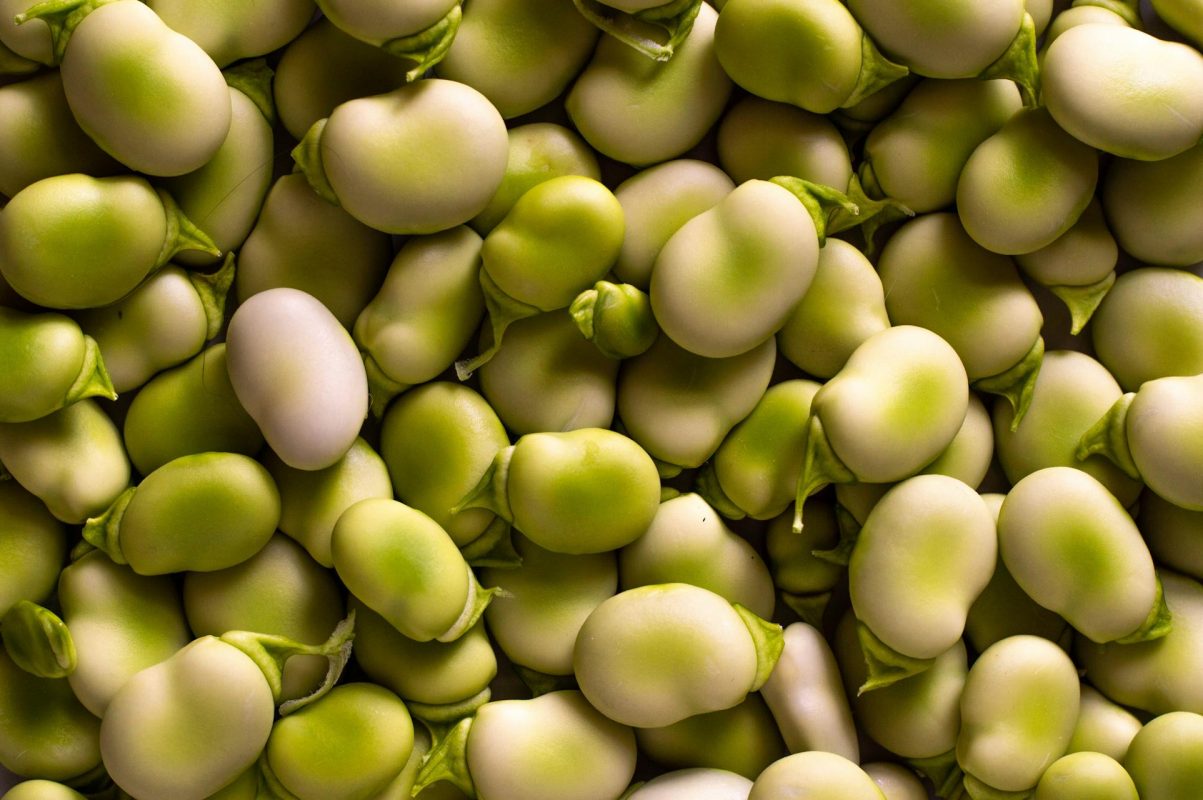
(617, 318)
(1172, 533)
(1018, 712)
(38, 640)
(302, 242)
(311, 501)
(200, 512)
(1166, 757)
(895, 781)
(324, 67)
(38, 136)
(1152, 676)
(700, 783)
(1147, 326)
(896, 405)
(1073, 549)
(717, 654)
(548, 377)
(930, 531)
(813, 56)
(424, 314)
(807, 698)
(348, 745)
(297, 372)
(1086, 14)
(704, 272)
(437, 440)
(121, 53)
(418, 32)
(229, 30)
(44, 731)
(71, 460)
(1183, 16)
(743, 739)
(158, 735)
(244, 787)
(1078, 267)
(805, 580)
(553, 747)
(189, 409)
(585, 491)
(121, 623)
(688, 542)
(225, 195)
(41, 790)
(107, 235)
(403, 565)
(962, 39)
(656, 203)
(844, 305)
(815, 776)
(1041, 12)
(438, 680)
(1026, 185)
(165, 321)
(760, 139)
(280, 590)
(546, 45)
(1156, 435)
(1071, 392)
(1149, 206)
(538, 151)
(51, 362)
(535, 621)
(33, 42)
(33, 546)
(640, 111)
(438, 166)
(1085, 776)
(1003, 609)
(14, 67)
(1089, 68)
(1102, 727)
(936, 276)
(916, 154)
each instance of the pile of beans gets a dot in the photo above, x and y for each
(550, 400)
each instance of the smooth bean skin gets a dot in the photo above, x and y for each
(700, 783)
(1083, 255)
(1165, 438)
(1147, 326)
(303, 242)
(311, 501)
(41, 790)
(895, 781)
(50, 362)
(796, 570)
(626, 670)
(554, 747)
(121, 622)
(187, 726)
(231, 31)
(688, 542)
(815, 775)
(199, 512)
(378, 179)
(1018, 711)
(548, 377)
(743, 739)
(1166, 757)
(1149, 207)
(71, 460)
(1089, 86)
(1003, 608)
(670, 104)
(1026, 185)
(1085, 776)
(545, 47)
(346, 746)
(760, 139)
(189, 409)
(916, 154)
(1172, 534)
(379, 22)
(47, 733)
(39, 138)
(539, 151)
(32, 42)
(123, 51)
(549, 597)
(280, 590)
(437, 440)
(1182, 16)
(1102, 727)
(844, 305)
(33, 546)
(296, 371)
(431, 673)
(656, 203)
